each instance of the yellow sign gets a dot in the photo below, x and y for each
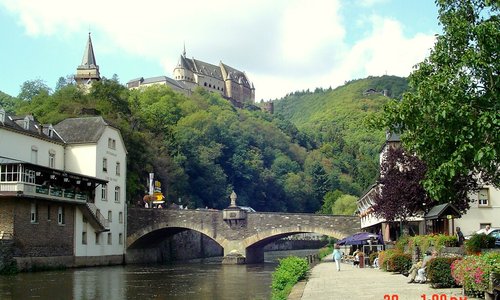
(157, 184)
(158, 196)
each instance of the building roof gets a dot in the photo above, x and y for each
(236, 75)
(207, 69)
(33, 128)
(81, 130)
(393, 137)
(88, 60)
(442, 211)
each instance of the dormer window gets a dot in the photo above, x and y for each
(2, 115)
(26, 123)
(51, 131)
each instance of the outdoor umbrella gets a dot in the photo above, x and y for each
(360, 238)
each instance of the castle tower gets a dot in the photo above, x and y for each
(88, 71)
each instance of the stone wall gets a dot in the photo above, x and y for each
(45, 238)
(7, 261)
(7, 215)
(281, 245)
(185, 245)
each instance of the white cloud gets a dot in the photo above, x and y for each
(283, 45)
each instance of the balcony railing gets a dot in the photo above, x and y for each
(41, 191)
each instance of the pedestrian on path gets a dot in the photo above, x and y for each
(337, 256)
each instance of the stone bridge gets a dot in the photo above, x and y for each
(239, 233)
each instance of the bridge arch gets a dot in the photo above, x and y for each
(136, 237)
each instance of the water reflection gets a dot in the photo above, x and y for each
(207, 279)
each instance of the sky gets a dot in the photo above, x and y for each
(282, 45)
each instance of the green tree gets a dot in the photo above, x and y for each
(345, 205)
(451, 119)
(330, 198)
(32, 88)
(7, 102)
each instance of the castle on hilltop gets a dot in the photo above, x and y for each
(190, 73)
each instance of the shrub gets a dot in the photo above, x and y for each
(325, 251)
(400, 262)
(403, 242)
(440, 241)
(393, 260)
(423, 242)
(382, 260)
(372, 257)
(439, 272)
(289, 271)
(478, 242)
(473, 272)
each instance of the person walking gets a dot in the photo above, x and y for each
(337, 256)
(460, 236)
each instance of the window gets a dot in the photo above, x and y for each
(51, 131)
(26, 123)
(28, 176)
(52, 160)
(120, 238)
(105, 164)
(111, 143)
(110, 239)
(9, 173)
(34, 155)
(104, 192)
(120, 217)
(60, 216)
(97, 238)
(110, 216)
(117, 168)
(34, 213)
(117, 194)
(84, 238)
(483, 197)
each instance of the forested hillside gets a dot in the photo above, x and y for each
(333, 121)
(314, 149)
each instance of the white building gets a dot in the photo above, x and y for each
(58, 203)
(98, 151)
(484, 210)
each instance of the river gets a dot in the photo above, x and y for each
(202, 279)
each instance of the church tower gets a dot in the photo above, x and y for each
(88, 71)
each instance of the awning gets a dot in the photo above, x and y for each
(362, 238)
(442, 211)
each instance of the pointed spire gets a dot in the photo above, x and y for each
(88, 60)
(184, 52)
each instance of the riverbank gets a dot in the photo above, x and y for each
(324, 282)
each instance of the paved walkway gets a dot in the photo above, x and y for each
(354, 283)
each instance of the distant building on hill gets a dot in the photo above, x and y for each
(88, 71)
(375, 92)
(191, 73)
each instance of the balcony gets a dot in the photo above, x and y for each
(24, 179)
(44, 192)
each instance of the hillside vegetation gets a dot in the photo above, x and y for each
(333, 121)
(313, 151)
